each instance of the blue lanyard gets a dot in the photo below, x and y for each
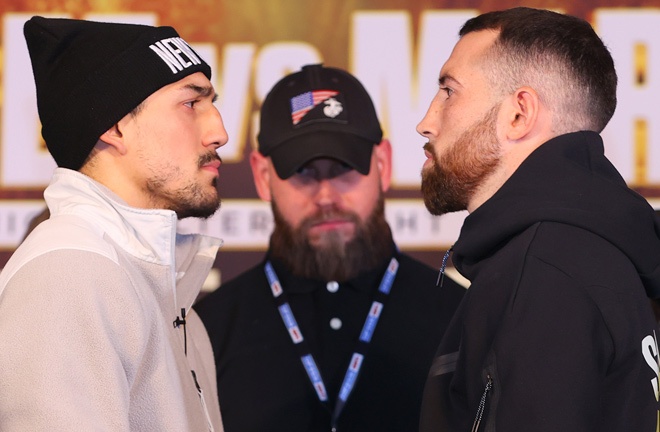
(357, 358)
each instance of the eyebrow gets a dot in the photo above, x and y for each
(202, 91)
(447, 77)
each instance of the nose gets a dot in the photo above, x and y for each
(428, 126)
(215, 134)
(326, 193)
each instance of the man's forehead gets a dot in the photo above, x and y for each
(196, 82)
(474, 44)
(465, 56)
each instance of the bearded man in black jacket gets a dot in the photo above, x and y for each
(555, 332)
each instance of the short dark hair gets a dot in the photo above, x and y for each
(560, 56)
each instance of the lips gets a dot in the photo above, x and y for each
(330, 222)
(429, 154)
(215, 164)
(210, 162)
(428, 150)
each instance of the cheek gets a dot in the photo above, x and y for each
(154, 137)
(362, 200)
(292, 205)
(364, 210)
(177, 145)
(291, 215)
(454, 129)
(174, 130)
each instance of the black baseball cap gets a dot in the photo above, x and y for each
(318, 112)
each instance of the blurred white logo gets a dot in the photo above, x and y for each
(333, 108)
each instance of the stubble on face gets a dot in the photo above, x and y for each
(193, 199)
(333, 258)
(449, 183)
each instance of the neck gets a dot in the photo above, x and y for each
(513, 155)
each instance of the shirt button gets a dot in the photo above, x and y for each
(332, 286)
(335, 323)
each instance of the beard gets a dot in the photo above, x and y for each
(335, 260)
(190, 200)
(448, 186)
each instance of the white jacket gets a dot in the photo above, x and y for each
(87, 305)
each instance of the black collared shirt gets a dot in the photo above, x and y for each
(262, 384)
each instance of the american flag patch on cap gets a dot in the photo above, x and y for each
(303, 103)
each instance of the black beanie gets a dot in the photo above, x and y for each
(89, 75)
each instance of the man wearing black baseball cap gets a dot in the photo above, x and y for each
(96, 326)
(335, 329)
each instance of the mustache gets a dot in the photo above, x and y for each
(429, 148)
(208, 157)
(326, 215)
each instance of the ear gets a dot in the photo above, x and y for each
(261, 171)
(383, 155)
(522, 113)
(114, 137)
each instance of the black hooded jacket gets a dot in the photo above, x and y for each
(556, 332)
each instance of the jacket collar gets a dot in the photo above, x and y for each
(147, 234)
(144, 233)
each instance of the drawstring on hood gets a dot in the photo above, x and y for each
(443, 266)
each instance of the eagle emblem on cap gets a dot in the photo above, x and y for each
(333, 108)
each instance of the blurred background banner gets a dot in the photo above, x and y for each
(395, 47)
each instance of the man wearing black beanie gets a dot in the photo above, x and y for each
(96, 326)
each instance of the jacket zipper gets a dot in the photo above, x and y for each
(201, 398)
(482, 405)
(182, 322)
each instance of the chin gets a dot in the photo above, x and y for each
(428, 164)
(330, 239)
(202, 210)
